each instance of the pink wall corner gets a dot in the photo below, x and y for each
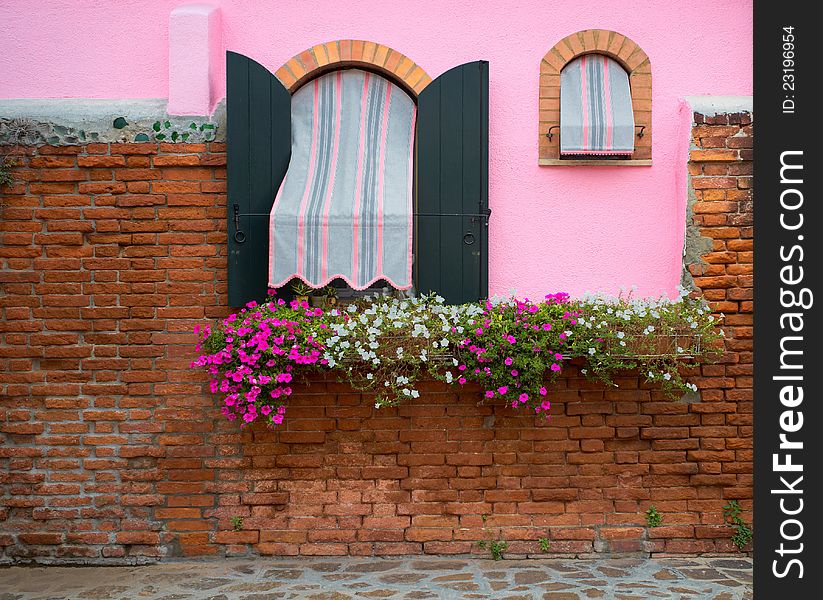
(195, 44)
(217, 60)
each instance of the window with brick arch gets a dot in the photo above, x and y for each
(603, 81)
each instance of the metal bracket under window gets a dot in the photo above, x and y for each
(240, 236)
(640, 133)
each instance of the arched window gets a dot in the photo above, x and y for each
(574, 97)
(349, 106)
(344, 209)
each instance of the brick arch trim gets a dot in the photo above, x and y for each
(353, 53)
(595, 41)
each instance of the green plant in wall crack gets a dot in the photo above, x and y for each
(167, 131)
(14, 133)
(5, 171)
(237, 522)
(497, 547)
(544, 544)
(742, 532)
(653, 518)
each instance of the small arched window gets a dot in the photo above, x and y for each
(595, 102)
(596, 119)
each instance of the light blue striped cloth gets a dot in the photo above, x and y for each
(344, 209)
(595, 107)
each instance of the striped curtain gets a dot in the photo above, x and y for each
(344, 209)
(595, 107)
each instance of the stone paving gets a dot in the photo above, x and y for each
(407, 578)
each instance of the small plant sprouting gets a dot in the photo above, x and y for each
(237, 522)
(496, 547)
(301, 289)
(544, 544)
(6, 165)
(742, 532)
(653, 518)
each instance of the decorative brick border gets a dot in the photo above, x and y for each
(624, 51)
(352, 53)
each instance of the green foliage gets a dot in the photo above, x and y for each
(120, 123)
(544, 544)
(742, 532)
(14, 133)
(653, 518)
(512, 348)
(237, 522)
(166, 130)
(5, 171)
(652, 336)
(497, 547)
(300, 288)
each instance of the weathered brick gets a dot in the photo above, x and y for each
(124, 272)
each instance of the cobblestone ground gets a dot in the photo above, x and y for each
(412, 578)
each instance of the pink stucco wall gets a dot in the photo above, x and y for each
(567, 228)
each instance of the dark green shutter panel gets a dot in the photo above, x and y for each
(451, 242)
(258, 115)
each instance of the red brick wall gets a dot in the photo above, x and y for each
(112, 451)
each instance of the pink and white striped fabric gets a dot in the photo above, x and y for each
(596, 114)
(344, 209)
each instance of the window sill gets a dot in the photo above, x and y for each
(556, 162)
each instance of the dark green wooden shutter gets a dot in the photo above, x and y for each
(258, 115)
(451, 241)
